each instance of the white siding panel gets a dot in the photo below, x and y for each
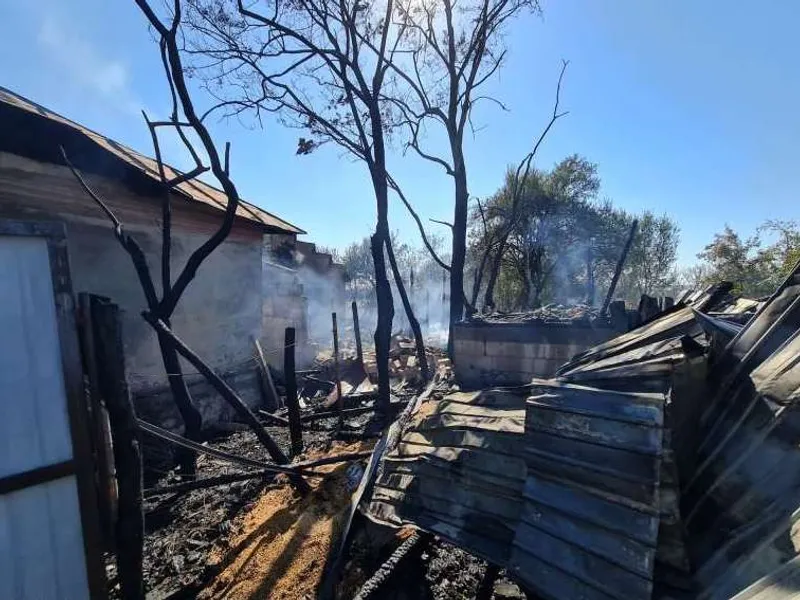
(41, 544)
(34, 428)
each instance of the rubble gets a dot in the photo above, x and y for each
(403, 367)
(549, 313)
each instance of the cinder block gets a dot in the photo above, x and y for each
(473, 347)
(505, 349)
(543, 367)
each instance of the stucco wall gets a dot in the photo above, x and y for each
(513, 354)
(218, 315)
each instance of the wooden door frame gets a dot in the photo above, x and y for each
(81, 464)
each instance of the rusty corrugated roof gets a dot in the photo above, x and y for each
(195, 190)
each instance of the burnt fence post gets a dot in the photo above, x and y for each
(292, 404)
(339, 399)
(127, 447)
(357, 333)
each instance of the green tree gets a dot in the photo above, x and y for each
(729, 257)
(564, 243)
(755, 269)
(650, 268)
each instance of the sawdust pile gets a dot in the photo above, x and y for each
(282, 542)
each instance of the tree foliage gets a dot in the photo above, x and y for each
(564, 241)
(754, 266)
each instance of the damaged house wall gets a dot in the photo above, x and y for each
(221, 311)
(515, 353)
(302, 287)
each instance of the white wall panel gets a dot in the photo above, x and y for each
(34, 427)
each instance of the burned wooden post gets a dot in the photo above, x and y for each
(338, 377)
(357, 333)
(98, 421)
(427, 308)
(295, 427)
(620, 264)
(648, 308)
(268, 390)
(113, 385)
(618, 315)
(229, 396)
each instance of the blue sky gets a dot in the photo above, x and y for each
(689, 108)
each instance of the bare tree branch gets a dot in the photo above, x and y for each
(127, 242)
(415, 216)
(519, 182)
(445, 223)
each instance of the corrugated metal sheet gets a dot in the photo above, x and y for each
(559, 485)
(612, 485)
(742, 503)
(781, 584)
(195, 190)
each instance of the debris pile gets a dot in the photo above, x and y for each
(404, 368)
(549, 313)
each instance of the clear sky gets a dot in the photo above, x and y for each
(689, 108)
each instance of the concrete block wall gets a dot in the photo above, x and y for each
(284, 305)
(513, 354)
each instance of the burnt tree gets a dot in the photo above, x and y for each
(322, 66)
(183, 119)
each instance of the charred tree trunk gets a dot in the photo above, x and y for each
(589, 275)
(412, 319)
(494, 272)
(477, 281)
(192, 419)
(460, 215)
(385, 307)
(383, 291)
(524, 300)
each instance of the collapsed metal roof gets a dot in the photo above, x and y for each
(656, 465)
(559, 483)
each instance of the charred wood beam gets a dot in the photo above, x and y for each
(337, 374)
(265, 377)
(274, 418)
(208, 482)
(331, 460)
(329, 384)
(306, 467)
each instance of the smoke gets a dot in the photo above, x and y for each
(428, 294)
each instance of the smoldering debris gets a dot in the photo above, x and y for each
(549, 313)
(404, 368)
